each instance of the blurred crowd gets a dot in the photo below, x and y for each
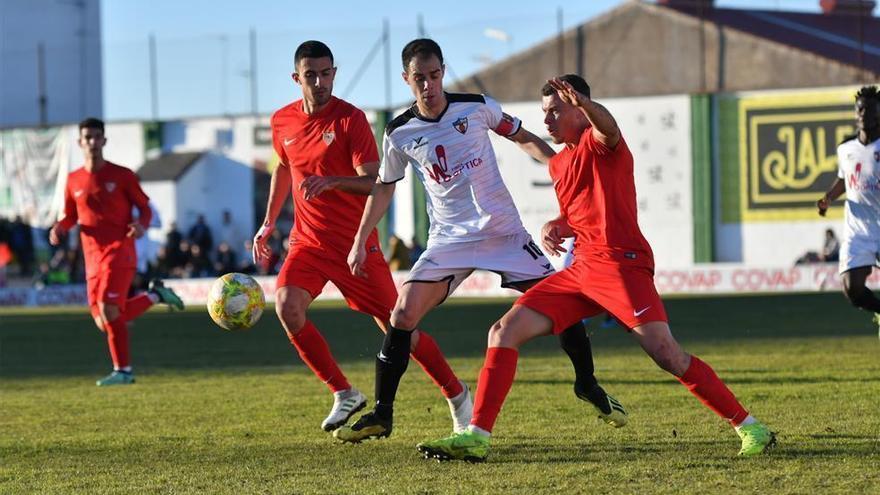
(190, 253)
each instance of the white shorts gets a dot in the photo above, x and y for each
(515, 257)
(857, 251)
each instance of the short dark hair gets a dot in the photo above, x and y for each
(868, 93)
(422, 48)
(91, 123)
(311, 49)
(577, 82)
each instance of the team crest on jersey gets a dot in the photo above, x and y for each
(329, 136)
(461, 125)
(110, 186)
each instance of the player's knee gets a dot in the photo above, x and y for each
(110, 312)
(99, 323)
(292, 317)
(403, 319)
(503, 335)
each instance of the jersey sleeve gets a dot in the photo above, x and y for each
(69, 216)
(139, 199)
(394, 162)
(362, 143)
(598, 147)
(501, 123)
(276, 144)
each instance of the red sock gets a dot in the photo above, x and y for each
(136, 306)
(702, 381)
(431, 359)
(496, 378)
(117, 341)
(315, 352)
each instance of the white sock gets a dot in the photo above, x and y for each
(748, 421)
(124, 369)
(458, 399)
(479, 431)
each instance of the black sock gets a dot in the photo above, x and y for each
(576, 344)
(391, 363)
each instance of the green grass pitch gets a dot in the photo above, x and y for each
(237, 412)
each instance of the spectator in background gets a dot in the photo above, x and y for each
(200, 234)
(398, 257)
(198, 265)
(831, 249)
(229, 231)
(160, 267)
(225, 260)
(22, 245)
(246, 265)
(172, 243)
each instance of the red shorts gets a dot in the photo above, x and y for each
(310, 269)
(585, 290)
(109, 285)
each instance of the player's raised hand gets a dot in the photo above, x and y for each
(552, 239)
(314, 185)
(567, 93)
(822, 205)
(135, 230)
(357, 257)
(261, 249)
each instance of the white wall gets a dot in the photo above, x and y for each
(125, 144)
(211, 185)
(164, 198)
(73, 64)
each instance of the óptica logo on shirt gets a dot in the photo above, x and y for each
(329, 136)
(110, 186)
(461, 124)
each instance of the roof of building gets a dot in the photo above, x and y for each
(847, 38)
(170, 166)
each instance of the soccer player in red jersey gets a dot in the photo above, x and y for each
(99, 197)
(613, 271)
(329, 162)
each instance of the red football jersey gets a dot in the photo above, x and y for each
(597, 195)
(101, 203)
(332, 142)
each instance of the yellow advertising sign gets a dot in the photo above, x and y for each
(788, 151)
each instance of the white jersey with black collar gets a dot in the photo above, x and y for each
(453, 157)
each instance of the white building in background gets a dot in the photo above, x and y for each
(51, 66)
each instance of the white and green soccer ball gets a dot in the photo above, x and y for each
(236, 301)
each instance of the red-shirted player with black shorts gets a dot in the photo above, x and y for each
(613, 271)
(99, 197)
(329, 161)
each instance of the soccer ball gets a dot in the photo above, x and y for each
(236, 301)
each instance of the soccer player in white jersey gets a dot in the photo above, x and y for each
(474, 224)
(858, 174)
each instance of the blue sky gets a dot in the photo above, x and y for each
(203, 46)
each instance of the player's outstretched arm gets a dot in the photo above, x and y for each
(279, 188)
(534, 146)
(362, 184)
(604, 126)
(377, 205)
(838, 188)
